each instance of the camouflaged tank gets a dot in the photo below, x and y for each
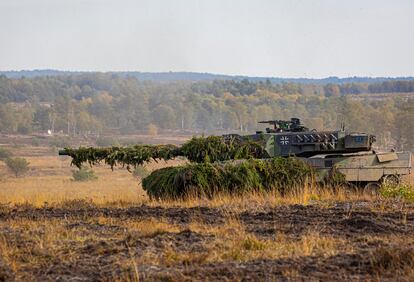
(350, 153)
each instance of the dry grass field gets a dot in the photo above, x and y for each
(53, 228)
(50, 181)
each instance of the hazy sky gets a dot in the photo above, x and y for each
(291, 38)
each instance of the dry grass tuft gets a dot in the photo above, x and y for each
(398, 260)
(151, 228)
(233, 242)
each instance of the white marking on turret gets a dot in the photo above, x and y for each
(284, 140)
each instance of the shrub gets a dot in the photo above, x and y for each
(84, 174)
(141, 172)
(18, 166)
(403, 191)
(4, 154)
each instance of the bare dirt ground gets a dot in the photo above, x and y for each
(359, 240)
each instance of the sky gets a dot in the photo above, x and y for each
(291, 38)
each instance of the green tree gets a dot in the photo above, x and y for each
(403, 130)
(42, 118)
(164, 117)
(332, 90)
(18, 166)
(8, 119)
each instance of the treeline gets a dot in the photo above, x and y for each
(197, 76)
(83, 104)
(402, 86)
(78, 86)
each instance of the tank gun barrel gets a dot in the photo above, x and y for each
(63, 153)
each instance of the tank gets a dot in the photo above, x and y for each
(350, 153)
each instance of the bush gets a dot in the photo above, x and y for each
(402, 191)
(18, 166)
(141, 172)
(84, 174)
(4, 154)
(238, 177)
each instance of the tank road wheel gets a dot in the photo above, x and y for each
(391, 180)
(372, 188)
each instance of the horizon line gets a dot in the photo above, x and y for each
(206, 73)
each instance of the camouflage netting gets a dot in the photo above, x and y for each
(217, 148)
(214, 167)
(126, 156)
(198, 149)
(238, 177)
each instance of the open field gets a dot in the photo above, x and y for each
(50, 180)
(352, 240)
(52, 228)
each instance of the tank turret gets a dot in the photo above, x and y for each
(291, 138)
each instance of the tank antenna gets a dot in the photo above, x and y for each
(342, 126)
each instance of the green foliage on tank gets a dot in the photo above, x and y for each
(237, 177)
(198, 149)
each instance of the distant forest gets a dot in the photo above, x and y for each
(95, 103)
(194, 76)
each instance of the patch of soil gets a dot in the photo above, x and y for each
(175, 214)
(100, 252)
(338, 220)
(367, 225)
(347, 267)
(6, 274)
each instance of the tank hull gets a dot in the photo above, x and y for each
(363, 167)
